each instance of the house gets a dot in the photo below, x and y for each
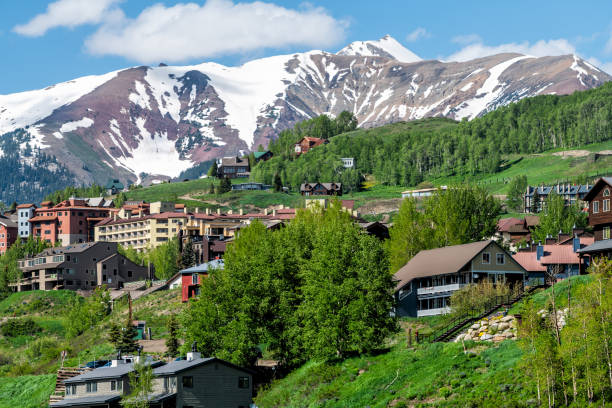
(513, 230)
(422, 192)
(204, 382)
(191, 278)
(24, 213)
(250, 186)
(307, 143)
(114, 186)
(376, 229)
(557, 257)
(348, 162)
(8, 233)
(233, 167)
(571, 193)
(262, 156)
(321, 189)
(78, 266)
(426, 283)
(600, 220)
(71, 221)
(192, 382)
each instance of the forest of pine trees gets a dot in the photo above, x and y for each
(408, 153)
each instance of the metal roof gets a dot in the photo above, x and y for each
(93, 400)
(181, 365)
(203, 268)
(102, 372)
(597, 246)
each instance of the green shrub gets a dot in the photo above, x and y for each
(47, 347)
(19, 327)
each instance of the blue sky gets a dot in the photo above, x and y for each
(44, 42)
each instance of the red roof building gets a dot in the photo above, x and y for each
(8, 233)
(307, 143)
(69, 222)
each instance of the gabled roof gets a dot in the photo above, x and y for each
(504, 224)
(234, 161)
(175, 367)
(596, 187)
(7, 222)
(597, 246)
(260, 154)
(439, 261)
(26, 206)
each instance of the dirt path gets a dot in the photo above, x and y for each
(380, 206)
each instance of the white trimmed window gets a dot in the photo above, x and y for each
(486, 258)
(606, 205)
(595, 207)
(500, 258)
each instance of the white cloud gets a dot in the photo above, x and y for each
(67, 13)
(417, 34)
(466, 39)
(218, 27)
(539, 49)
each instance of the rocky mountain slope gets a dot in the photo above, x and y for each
(157, 121)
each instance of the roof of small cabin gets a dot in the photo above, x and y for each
(203, 268)
(593, 191)
(175, 367)
(260, 154)
(439, 261)
(114, 183)
(108, 372)
(532, 220)
(26, 205)
(328, 186)
(504, 224)
(597, 246)
(234, 161)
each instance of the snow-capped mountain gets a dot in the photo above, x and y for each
(162, 120)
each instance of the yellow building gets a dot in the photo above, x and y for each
(141, 232)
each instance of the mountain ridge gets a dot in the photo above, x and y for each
(142, 123)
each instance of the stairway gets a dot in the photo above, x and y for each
(451, 332)
(64, 374)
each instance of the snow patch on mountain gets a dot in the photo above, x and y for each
(385, 47)
(140, 97)
(488, 92)
(581, 71)
(72, 126)
(25, 108)
(164, 86)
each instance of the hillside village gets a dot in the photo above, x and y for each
(122, 250)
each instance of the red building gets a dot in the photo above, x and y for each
(191, 278)
(71, 221)
(8, 233)
(307, 143)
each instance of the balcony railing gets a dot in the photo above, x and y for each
(433, 312)
(438, 289)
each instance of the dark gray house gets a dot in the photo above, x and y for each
(193, 382)
(426, 283)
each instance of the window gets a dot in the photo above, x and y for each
(188, 381)
(71, 390)
(486, 258)
(129, 274)
(501, 259)
(194, 278)
(92, 386)
(595, 207)
(606, 233)
(113, 385)
(606, 205)
(606, 192)
(243, 382)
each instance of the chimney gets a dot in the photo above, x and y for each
(274, 213)
(241, 211)
(562, 237)
(265, 211)
(197, 210)
(117, 362)
(193, 355)
(550, 240)
(576, 243)
(219, 211)
(185, 210)
(230, 212)
(207, 211)
(114, 216)
(539, 251)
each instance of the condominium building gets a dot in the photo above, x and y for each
(142, 232)
(24, 213)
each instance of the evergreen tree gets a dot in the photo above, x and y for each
(278, 184)
(225, 186)
(211, 190)
(212, 171)
(13, 206)
(172, 342)
(127, 343)
(188, 257)
(536, 201)
(114, 335)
